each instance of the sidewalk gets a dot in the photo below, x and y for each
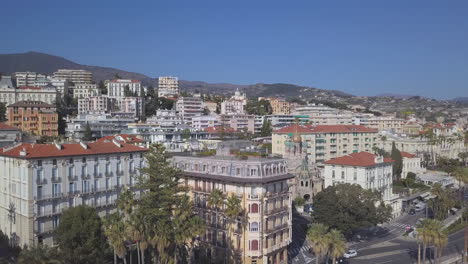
(454, 259)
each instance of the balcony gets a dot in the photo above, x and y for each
(97, 175)
(40, 198)
(72, 178)
(41, 181)
(133, 172)
(276, 228)
(109, 174)
(50, 213)
(85, 176)
(56, 179)
(253, 197)
(120, 173)
(283, 209)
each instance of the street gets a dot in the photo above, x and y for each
(384, 247)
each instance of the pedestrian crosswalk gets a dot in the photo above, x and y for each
(297, 250)
(396, 224)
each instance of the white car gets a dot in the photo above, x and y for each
(350, 253)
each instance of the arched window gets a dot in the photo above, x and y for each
(254, 245)
(254, 227)
(254, 208)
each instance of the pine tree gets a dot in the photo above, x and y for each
(398, 162)
(266, 128)
(88, 134)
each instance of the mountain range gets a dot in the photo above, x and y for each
(47, 64)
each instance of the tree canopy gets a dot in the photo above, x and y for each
(261, 107)
(349, 207)
(2, 112)
(266, 129)
(398, 162)
(80, 236)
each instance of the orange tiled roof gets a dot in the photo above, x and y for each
(407, 154)
(324, 129)
(4, 126)
(360, 159)
(75, 149)
(217, 129)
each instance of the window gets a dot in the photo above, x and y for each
(254, 227)
(83, 171)
(39, 163)
(54, 172)
(108, 183)
(254, 208)
(342, 175)
(56, 189)
(118, 181)
(355, 176)
(333, 174)
(254, 245)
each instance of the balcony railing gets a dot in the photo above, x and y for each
(276, 228)
(109, 174)
(41, 181)
(253, 197)
(85, 176)
(120, 173)
(282, 209)
(72, 178)
(56, 179)
(97, 175)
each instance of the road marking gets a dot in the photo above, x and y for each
(383, 254)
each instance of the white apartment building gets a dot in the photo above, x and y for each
(101, 125)
(411, 163)
(96, 104)
(165, 118)
(450, 148)
(204, 121)
(235, 105)
(27, 78)
(62, 85)
(367, 170)
(381, 123)
(116, 88)
(168, 86)
(131, 105)
(85, 90)
(239, 122)
(189, 107)
(46, 179)
(75, 76)
(9, 94)
(323, 142)
(261, 185)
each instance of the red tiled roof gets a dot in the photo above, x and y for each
(360, 159)
(4, 126)
(126, 138)
(217, 129)
(325, 129)
(407, 155)
(74, 149)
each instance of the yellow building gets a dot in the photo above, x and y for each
(262, 186)
(323, 142)
(35, 117)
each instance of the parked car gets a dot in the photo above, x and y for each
(420, 206)
(412, 212)
(350, 253)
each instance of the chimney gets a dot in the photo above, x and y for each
(83, 145)
(23, 152)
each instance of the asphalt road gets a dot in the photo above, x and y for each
(387, 246)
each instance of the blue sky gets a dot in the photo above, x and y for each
(364, 47)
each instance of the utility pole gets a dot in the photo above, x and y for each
(465, 257)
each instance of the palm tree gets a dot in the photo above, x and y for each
(461, 175)
(425, 236)
(232, 212)
(316, 236)
(336, 244)
(216, 200)
(440, 239)
(114, 229)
